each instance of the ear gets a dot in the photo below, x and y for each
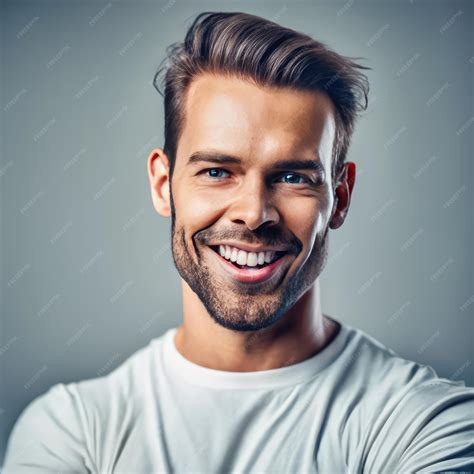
(344, 184)
(158, 174)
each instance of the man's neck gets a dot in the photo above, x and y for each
(300, 334)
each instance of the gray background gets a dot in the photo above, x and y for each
(87, 274)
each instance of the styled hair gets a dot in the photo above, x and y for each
(267, 54)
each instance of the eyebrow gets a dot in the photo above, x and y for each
(223, 158)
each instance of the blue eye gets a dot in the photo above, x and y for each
(215, 172)
(297, 176)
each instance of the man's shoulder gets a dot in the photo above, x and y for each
(428, 423)
(54, 418)
(69, 415)
(406, 410)
(381, 368)
(131, 372)
(125, 385)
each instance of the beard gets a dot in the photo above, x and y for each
(236, 306)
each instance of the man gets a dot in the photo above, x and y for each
(258, 120)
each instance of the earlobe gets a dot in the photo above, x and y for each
(158, 174)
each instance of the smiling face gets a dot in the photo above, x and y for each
(235, 180)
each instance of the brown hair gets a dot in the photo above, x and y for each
(256, 49)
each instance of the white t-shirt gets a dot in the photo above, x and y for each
(355, 407)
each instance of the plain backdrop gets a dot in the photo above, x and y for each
(87, 273)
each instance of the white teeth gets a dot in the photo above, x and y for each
(252, 259)
(241, 257)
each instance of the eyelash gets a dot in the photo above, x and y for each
(308, 181)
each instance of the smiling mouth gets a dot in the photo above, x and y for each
(276, 257)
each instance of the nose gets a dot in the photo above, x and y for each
(253, 205)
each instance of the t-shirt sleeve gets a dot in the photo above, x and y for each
(430, 430)
(49, 436)
(444, 440)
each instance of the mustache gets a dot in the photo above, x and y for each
(263, 237)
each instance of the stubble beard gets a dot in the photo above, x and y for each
(237, 307)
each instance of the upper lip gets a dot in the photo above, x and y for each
(251, 248)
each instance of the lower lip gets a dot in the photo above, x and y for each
(251, 276)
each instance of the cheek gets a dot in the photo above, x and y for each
(196, 210)
(306, 219)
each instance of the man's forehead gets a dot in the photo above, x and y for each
(232, 113)
(236, 98)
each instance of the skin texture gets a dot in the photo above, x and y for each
(229, 325)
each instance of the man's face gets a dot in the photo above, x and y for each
(256, 201)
